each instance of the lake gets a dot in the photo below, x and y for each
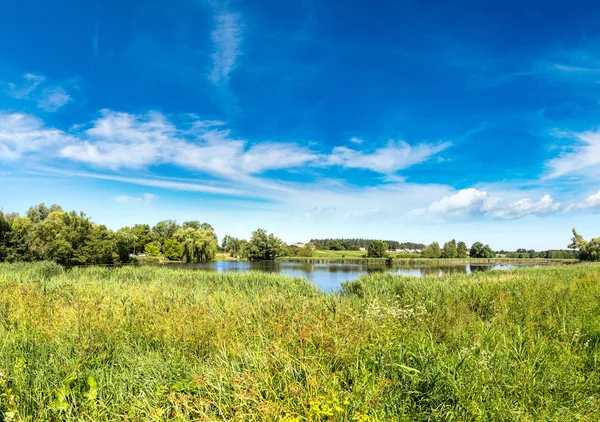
(330, 276)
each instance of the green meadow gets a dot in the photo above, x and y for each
(158, 344)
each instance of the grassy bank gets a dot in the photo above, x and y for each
(163, 344)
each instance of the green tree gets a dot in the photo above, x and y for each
(479, 250)
(124, 239)
(199, 245)
(141, 233)
(173, 249)
(307, 251)
(461, 250)
(163, 230)
(450, 249)
(39, 213)
(152, 249)
(336, 245)
(377, 249)
(264, 247)
(592, 250)
(432, 251)
(577, 242)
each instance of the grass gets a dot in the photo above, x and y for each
(163, 344)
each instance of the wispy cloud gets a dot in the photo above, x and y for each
(584, 155)
(226, 38)
(397, 155)
(22, 134)
(47, 96)
(127, 141)
(470, 203)
(145, 199)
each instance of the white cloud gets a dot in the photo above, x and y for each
(582, 157)
(123, 140)
(272, 156)
(21, 134)
(127, 141)
(389, 159)
(32, 81)
(524, 207)
(589, 203)
(50, 98)
(470, 203)
(145, 199)
(226, 37)
(356, 140)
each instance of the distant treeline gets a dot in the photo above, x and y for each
(549, 254)
(356, 244)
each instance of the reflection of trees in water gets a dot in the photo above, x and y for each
(310, 270)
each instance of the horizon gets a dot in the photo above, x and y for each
(413, 122)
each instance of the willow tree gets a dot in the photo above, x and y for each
(199, 245)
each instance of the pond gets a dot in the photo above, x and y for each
(330, 276)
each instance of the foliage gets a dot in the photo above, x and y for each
(450, 250)
(356, 244)
(199, 245)
(432, 251)
(162, 344)
(588, 251)
(173, 249)
(461, 250)
(152, 249)
(264, 247)
(377, 249)
(479, 250)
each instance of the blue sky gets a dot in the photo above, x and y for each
(470, 120)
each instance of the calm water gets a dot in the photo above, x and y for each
(330, 276)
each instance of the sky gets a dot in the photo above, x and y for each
(402, 120)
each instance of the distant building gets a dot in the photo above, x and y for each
(362, 249)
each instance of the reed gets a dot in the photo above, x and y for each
(145, 343)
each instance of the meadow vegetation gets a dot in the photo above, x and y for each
(142, 343)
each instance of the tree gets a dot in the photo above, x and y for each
(152, 249)
(461, 250)
(264, 247)
(450, 249)
(199, 245)
(432, 251)
(592, 250)
(577, 242)
(336, 245)
(478, 250)
(163, 230)
(307, 250)
(39, 213)
(588, 251)
(125, 240)
(173, 249)
(377, 249)
(141, 233)
(231, 245)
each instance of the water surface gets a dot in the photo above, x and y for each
(330, 276)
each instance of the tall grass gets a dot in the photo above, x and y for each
(164, 344)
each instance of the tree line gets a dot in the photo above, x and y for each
(357, 244)
(71, 238)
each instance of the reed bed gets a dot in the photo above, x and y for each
(163, 344)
